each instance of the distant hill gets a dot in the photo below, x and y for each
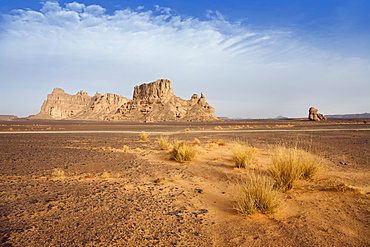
(359, 115)
(7, 117)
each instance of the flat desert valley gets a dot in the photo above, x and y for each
(80, 183)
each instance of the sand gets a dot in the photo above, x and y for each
(72, 183)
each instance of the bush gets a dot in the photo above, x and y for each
(125, 148)
(257, 193)
(196, 141)
(57, 173)
(183, 151)
(144, 136)
(311, 164)
(164, 143)
(243, 155)
(105, 175)
(290, 164)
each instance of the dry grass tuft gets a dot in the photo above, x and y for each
(105, 175)
(175, 177)
(144, 136)
(183, 151)
(57, 173)
(243, 155)
(196, 141)
(257, 193)
(125, 148)
(290, 164)
(164, 143)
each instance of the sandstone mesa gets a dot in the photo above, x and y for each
(153, 101)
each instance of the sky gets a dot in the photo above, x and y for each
(251, 59)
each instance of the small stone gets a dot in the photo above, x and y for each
(200, 191)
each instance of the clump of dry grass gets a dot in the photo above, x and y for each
(257, 193)
(144, 136)
(290, 164)
(196, 141)
(243, 155)
(164, 143)
(183, 151)
(125, 148)
(105, 175)
(57, 173)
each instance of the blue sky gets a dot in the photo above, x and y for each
(255, 59)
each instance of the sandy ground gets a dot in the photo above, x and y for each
(136, 196)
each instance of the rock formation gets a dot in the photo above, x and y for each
(60, 105)
(153, 101)
(314, 116)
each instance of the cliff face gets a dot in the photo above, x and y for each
(60, 105)
(153, 101)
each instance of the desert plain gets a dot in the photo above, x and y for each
(86, 183)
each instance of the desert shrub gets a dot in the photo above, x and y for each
(311, 164)
(57, 173)
(243, 155)
(183, 151)
(105, 175)
(164, 143)
(144, 136)
(257, 193)
(290, 164)
(125, 148)
(196, 141)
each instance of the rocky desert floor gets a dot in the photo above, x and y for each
(78, 183)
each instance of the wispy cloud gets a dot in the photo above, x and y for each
(78, 46)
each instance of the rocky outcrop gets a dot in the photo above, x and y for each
(153, 101)
(156, 101)
(313, 115)
(61, 105)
